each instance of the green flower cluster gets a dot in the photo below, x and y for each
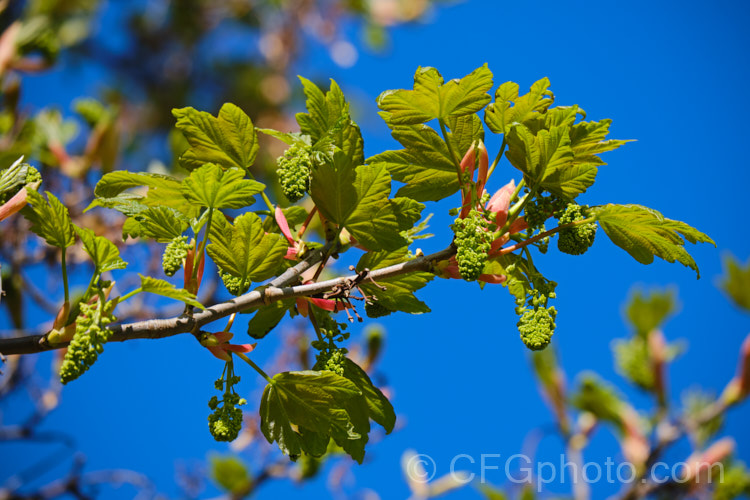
(88, 341)
(294, 170)
(331, 357)
(541, 208)
(536, 327)
(236, 286)
(174, 254)
(536, 322)
(225, 423)
(577, 239)
(331, 360)
(375, 309)
(473, 240)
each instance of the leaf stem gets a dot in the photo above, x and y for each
(497, 158)
(199, 255)
(307, 221)
(257, 368)
(270, 205)
(131, 294)
(65, 275)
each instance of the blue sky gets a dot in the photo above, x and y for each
(672, 76)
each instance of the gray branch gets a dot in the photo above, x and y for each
(277, 289)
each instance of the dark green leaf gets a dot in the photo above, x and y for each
(380, 409)
(645, 233)
(320, 402)
(229, 140)
(268, 317)
(399, 292)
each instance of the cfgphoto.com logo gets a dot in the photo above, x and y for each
(521, 469)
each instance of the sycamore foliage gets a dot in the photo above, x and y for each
(216, 210)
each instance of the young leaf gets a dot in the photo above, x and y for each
(543, 158)
(599, 398)
(163, 224)
(431, 99)
(211, 186)
(379, 408)
(425, 165)
(648, 312)
(319, 402)
(736, 282)
(508, 108)
(163, 191)
(104, 254)
(328, 123)
(244, 250)
(357, 198)
(229, 140)
(49, 219)
(645, 233)
(399, 290)
(166, 289)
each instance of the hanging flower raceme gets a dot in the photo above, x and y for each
(218, 344)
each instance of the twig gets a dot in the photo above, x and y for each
(277, 289)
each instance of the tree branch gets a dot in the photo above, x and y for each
(275, 290)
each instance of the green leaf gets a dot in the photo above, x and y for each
(244, 250)
(509, 108)
(399, 292)
(114, 183)
(464, 131)
(320, 402)
(425, 165)
(104, 254)
(587, 140)
(357, 199)
(229, 140)
(210, 186)
(645, 233)
(230, 473)
(163, 224)
(736, 282)
(599, 398)
(166, 289)
(545, 159)
(431, 99)
(268, 317)
(633, 361)
(379, 408)
(329, 124)
(649, 312)
(49, 219)
(289, 138)
(163, 191)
